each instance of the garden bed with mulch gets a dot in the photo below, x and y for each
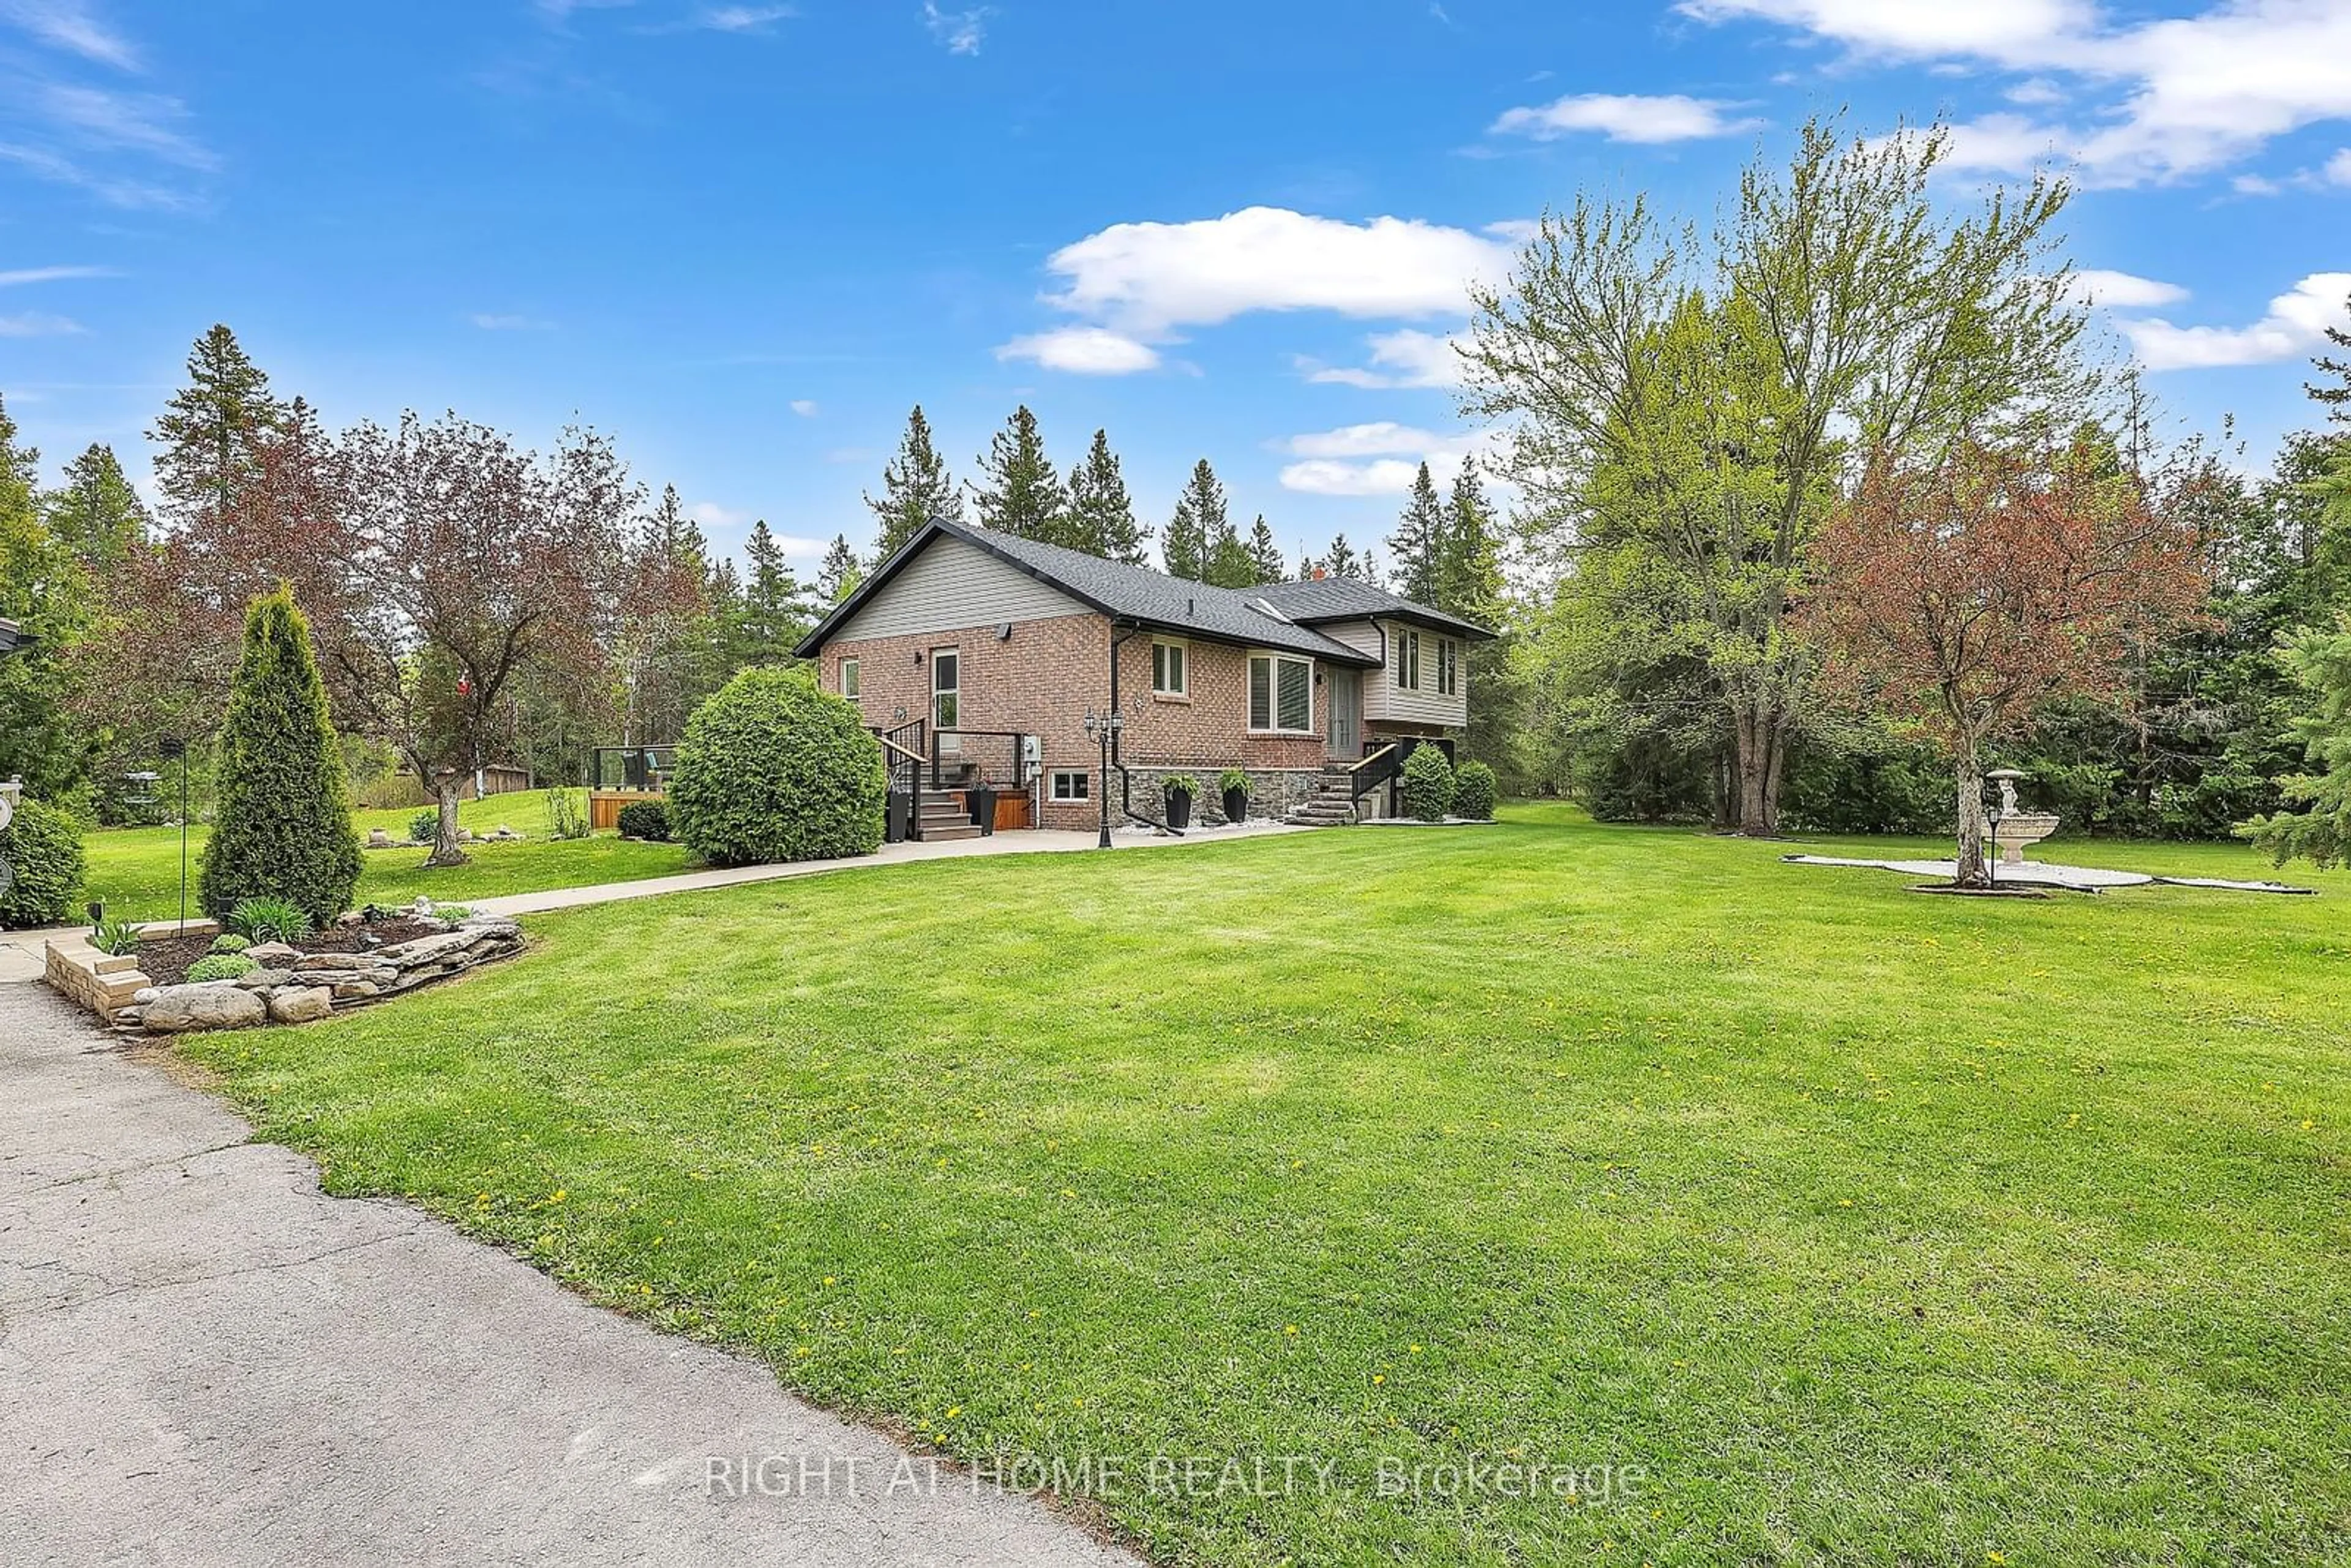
(166, 961)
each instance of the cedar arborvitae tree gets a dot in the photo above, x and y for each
(283, 825)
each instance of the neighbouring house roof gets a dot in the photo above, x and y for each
(1130, 593)
(1319, 600)
(12, 637)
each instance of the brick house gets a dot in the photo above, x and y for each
(982, 654)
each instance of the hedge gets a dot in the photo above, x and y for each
(1428, 784)
(283, 825)
(44, 846)
(1473, 792)
(646, 820)
(773, 770)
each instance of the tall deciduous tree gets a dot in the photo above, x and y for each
(916, 488)
(283, 825)
(1418, 543)
(1018, 490)
(1840, 306)
(486, 557)
(1199, 519)
(1974, 587)
(1101, 518)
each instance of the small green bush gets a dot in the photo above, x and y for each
(43, 846)
(1233, 778)
(230, 942)
(1428, 784)
(283, 825)
(220, 967)
(452, 913)
(270, 920)
(567, 814)
(773, 770)
(115, 937)
(425, 827)
(646, 820)
(1473, 792)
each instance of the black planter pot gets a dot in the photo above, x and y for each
(982, 800)
(1179, 810)
(1235, 805)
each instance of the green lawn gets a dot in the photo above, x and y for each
(1866, 1227)
(137, 870)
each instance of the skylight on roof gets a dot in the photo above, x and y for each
(1262, 608)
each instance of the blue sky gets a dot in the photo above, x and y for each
(745, 237)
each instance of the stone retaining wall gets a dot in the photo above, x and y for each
(290, 986)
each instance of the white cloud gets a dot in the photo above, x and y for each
(1408, 358)
(2338, 168)
(115, 190)
(741, 18)
(958, 32)
(2255, 185)
(2161, 99)
(2294, 325)
(711, 515)
(1671, 117)
(1377, 459)
(806, 407)
(1083, 351)
(24, 275)
(1147, 278)
(68, 24)
(137, 122)
(38, 324)
(2123, 290)
(491, 321)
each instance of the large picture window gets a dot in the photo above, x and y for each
(1281, 694)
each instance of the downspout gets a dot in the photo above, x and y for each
(1126, 780)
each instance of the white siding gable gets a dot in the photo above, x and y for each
(950, 586)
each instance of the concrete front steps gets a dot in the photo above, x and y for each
(1332, 804)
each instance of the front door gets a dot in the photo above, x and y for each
(1346, 713)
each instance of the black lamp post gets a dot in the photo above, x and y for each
(1104, 729)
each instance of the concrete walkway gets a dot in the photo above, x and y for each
(21, 951)
(205, 1361)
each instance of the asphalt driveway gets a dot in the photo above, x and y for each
(205, 1360)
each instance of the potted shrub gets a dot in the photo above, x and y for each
(1235, 786)
(1181, 788)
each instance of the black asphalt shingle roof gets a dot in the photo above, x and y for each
(1325, 599)
(1123, 593)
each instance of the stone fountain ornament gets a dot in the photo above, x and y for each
(2013, 829)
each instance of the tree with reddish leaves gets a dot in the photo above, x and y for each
(471, 565)
(1973, 588)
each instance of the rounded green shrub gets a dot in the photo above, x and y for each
(220, 967)
(647, 820)
(1428, 784)
(230, 942)
(283, 825)
(425, 827)
(43, 846)
(1473, 792)
(773, 770)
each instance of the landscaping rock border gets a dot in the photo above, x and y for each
(291, 986)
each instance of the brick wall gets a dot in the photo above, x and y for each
(1049, 673)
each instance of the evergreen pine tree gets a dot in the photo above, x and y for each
(1419, 540)
(1102, 514)
(1200, 520)
(838, 578)
(1469, 581)
(1265, 556)
(1230, 564)
(282, 828)
(775, 606)
(1017, 491)
(915, 489)
(1341, 560)
(2336, 399)
(96, 513)
(212, 430)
